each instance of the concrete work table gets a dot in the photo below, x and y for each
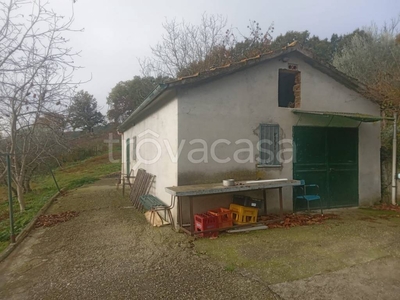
(193, 191)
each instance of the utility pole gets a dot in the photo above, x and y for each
(10, 201)
(394, 161)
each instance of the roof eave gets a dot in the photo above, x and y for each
(150, 98)
(353, 116)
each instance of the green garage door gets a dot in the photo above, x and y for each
(328, 156)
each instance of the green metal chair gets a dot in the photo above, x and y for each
(308, 197)
(154, 205)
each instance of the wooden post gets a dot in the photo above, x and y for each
(191, 215)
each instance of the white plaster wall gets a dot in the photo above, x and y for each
(156, 126)
(232, 108)
(369, 168)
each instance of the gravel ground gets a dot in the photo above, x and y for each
(378, 279)
(110, 252)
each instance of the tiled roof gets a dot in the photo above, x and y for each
(217, 72)
(234, 66)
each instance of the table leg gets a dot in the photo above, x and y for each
(191, 215)
(281, 202)
(180, 212)
(265, 201)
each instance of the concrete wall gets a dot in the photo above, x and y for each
(232, 108)
(157, 126)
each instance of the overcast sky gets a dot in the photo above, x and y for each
(117, 32)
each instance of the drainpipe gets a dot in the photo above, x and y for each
(394, 161)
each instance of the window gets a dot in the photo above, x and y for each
(269, 145)
(289, 88)
(134, 148)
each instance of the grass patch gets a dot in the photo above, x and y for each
(70, 176)
(279, 255)
(377, 212)
(229, 268)
(81, 181)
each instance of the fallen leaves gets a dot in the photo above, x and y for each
(385, 206)
(293, 220)
(51, 220)
(369, 219)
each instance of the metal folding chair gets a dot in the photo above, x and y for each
(308, 197)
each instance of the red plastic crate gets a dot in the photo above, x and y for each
(206, 222)
(224, 215)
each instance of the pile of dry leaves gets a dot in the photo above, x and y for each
(385, 206)
(51, 220)
(293, 220)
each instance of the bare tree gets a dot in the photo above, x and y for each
(36, 67)
(183, 44)
(186, 49)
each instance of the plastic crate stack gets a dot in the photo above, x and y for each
(224, 215)
(204, 222)
(243, 214)
(213, 219)
(245, 209)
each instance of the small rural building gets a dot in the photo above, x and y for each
(284, 114)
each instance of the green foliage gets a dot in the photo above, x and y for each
(283, 40)
(126, 96)
(83, 112)
(367, 54)
(323, 48)
(34, 203)
(79, 154)
(83, 145)
(387, 143)
(373, 57)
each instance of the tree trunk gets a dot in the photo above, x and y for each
(27, 179)
(21, 200)
(14, 191)
(386, 169)
(27, 185)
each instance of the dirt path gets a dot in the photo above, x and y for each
(109, 252)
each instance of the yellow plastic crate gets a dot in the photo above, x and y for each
(243, 214)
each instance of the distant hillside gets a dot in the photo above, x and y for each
(83, 144)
